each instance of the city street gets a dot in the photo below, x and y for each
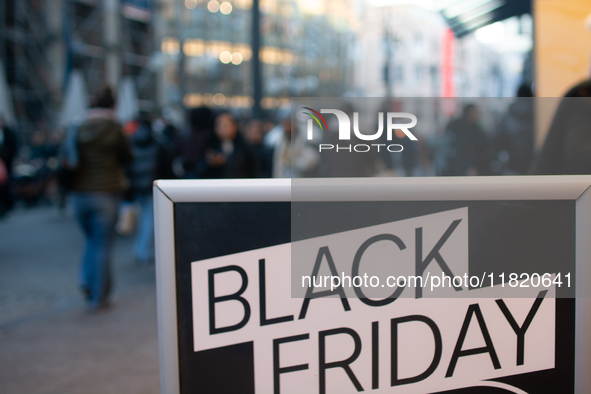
(49, 343)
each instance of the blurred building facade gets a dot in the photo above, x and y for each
(306, 50)
(26, 39)
(43, 41)
(401, 53)
(108, 40)
(185, 53)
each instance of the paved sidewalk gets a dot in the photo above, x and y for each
(48, 342)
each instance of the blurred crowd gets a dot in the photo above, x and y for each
(214, 144)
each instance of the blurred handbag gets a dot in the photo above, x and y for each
(127, 219)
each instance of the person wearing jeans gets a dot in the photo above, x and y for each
(99, 183)
(144, 240)
(96, 214)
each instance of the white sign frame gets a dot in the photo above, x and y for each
(169, 192)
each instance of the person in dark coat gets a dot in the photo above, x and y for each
(567, 149)
(469, 144)
(255, 134)
(193, 145)
(227, 154)
(98, 186)
(8, 151)
(150, 162)
(516, 132)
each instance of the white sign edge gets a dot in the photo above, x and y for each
(565, 187)
(582, 300)
(166, 293)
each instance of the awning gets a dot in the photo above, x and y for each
(466, 16)
(76, 100)
(6, 106)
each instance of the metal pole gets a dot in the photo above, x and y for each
(387, 63)
(55, 48)
(3, 32)
(255, 62)
(112, 38)
(67, 36)
(180, 35)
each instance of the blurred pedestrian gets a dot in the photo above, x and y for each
(468, 155)
(98, 185)
(150, 162)
(292, 156)
(567, 149)
(516, 132)
(192, 148)
(167, 134)
(343, 163)
(227, 154)
(8, 151)
(254, 134)
(162, 125)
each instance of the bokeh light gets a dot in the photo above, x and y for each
(213, 6)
